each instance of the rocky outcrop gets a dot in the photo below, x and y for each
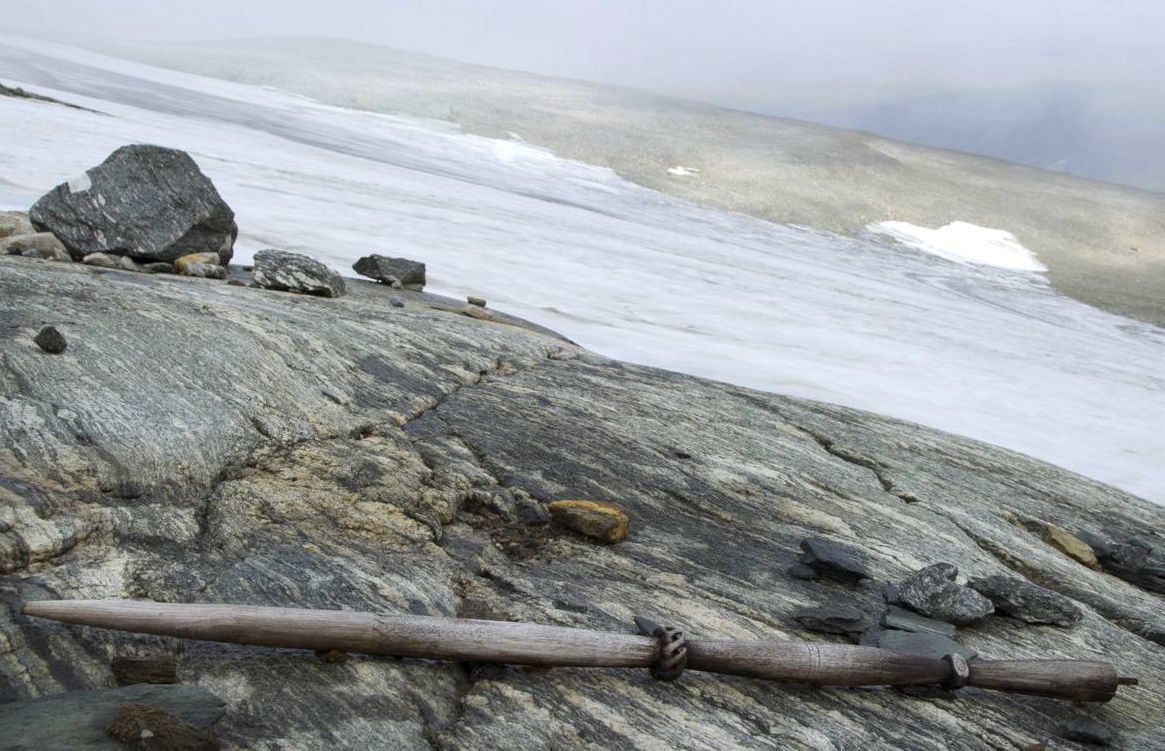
(36, 245)
(202, 442)
(293, 272)
(145, 202)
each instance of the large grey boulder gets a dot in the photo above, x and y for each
(293, 272)
(347, 454)
(146, 202)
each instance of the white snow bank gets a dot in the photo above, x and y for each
(964, 242)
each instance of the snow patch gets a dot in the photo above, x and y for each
(963, 242)
(682, 171)
(80, 183)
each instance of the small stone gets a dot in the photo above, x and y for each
(806, 573)
(195, 258)
(387, 270)
(832, 619)
(15, 223)
(38, 245)
(332, 656)
(933, 591)
(130, 670)
(1026, 601)
(396, 302)
(1071, 546)
(602, 521)
(1087, 730)
(137, 723)
(293, 272)
(833, 560)
(51, 340)
(478, 301)
(110, 261)
(919, 643)
(205, 270)
(904, 620)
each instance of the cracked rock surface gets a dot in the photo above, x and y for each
(201, 442)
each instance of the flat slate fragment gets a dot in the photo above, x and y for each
(832, 619)
(905, 620)
(921, 643)
(833, 559)
(1028, 602)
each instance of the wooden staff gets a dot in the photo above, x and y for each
(466, 640)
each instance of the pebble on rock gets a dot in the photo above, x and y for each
(833, 560)
(1071, 546)
(51, 340)
(1026, 601)
(396, 302)
(37, 245)
(478, 301)
(606, 522)
(189, 259)
(205, 270)
(933, 591)
(832, 619)
(110, 261)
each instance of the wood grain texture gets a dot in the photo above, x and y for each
(469, 640)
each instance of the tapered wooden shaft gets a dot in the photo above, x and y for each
(532, 644)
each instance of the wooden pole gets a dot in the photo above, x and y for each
(467, 640)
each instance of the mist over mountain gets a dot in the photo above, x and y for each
(1104, 131)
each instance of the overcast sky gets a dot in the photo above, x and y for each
(693, 47)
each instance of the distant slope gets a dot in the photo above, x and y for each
(1103, 244)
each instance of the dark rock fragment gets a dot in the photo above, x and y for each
(478, 301)
(905, 620)
(292, 272)
(1087, 730)
(933, 591)
(832, 619)
(146, 202)
(130, 670)
(920, 643)
(205, 270)
(833, 559)
(1026, 601)
(145, 727)
(396, 302)
(387, 270)
(51, 340)
(1136, 560)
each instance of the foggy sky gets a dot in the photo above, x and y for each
(687, 47)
